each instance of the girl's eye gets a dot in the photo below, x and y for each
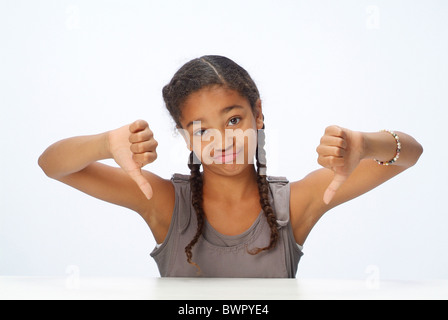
(200, 132)
(234, 121)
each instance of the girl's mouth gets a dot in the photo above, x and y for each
(228, 157)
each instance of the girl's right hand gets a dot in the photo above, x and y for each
(132, 147)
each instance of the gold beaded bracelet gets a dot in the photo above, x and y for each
(397, 152)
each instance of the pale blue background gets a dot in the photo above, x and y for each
(82, 67)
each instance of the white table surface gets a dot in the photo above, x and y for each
(62, 288)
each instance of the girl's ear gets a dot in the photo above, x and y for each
(259, 118)
(184, 133)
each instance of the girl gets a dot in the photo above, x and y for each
(230, 219)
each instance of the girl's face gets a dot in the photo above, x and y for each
(220, 127)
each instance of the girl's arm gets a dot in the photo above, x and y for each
(349, 171)
(74, 161)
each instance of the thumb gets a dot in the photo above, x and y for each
(141, 181)
(335, 184)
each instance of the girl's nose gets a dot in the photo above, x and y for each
(227, 144)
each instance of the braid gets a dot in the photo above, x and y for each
(263, 189)
(196, 200)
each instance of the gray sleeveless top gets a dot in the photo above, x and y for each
(221, 255)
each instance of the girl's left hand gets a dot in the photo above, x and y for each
(340, 150)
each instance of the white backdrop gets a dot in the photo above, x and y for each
(82, 67)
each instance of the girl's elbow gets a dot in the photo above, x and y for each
(418, 151)
(43, 164)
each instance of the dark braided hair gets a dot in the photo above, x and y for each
(196, 200)
(191, 77)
